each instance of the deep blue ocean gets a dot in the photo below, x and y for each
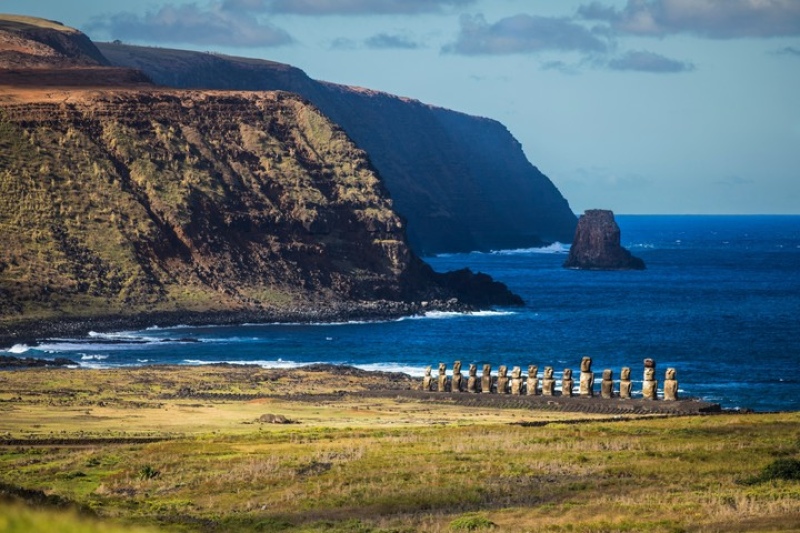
(719, 301)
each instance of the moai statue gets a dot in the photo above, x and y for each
(427, 381)
(516, 380)
(548, 383)
(607, 385)
(486, 378)
(442, 377)
(455, 384)
(625, 385)
(587, 378)
(472, 380)
(567, 382)
(650, 385)
(533, 380)
(670, 386)
(502, 380)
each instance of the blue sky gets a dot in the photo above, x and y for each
(640, 106)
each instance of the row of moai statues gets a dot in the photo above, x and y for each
(546, 386)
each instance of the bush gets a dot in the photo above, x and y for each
(148, 472)
(471, 522)
(786, 469)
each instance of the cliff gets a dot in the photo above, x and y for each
(462, 182)
(149, 201)
(28, 42)
(597, 246)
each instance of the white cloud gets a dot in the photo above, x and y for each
(522, 34)
(714, 19)
(357, 7)
(190, 24)
(644, 61)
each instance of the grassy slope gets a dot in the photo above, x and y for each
(141, 203)
(353, 464)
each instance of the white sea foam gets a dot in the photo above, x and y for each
(93, 357)
(280, 363)
(439, 315)
(19, 348)
(555, 248)
(411, 370)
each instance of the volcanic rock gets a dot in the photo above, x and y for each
(596, 245)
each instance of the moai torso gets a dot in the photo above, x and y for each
(671, 385)
(625, 385)
(427, 381)
(607, 385)
(567, 382)
(502, 380)
(486, 379)
(548, 383)
(587, 378)
(442, 377)
(532, 386)
(455, 385)
(472, 380)
(516, 380)
(650, 385)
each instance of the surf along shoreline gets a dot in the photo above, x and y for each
(31, 331)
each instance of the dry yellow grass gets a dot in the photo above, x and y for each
(367, 465)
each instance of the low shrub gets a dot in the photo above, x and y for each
(471, 522)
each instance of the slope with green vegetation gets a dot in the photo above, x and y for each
(125, 202)
(462, 182)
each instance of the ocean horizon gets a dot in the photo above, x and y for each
(718, 301)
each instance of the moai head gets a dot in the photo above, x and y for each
(516, 372)
(502, 371)
(428, 371)
(487, 369)
(442, 369)
(586, 364)
(548, 372)
(670, 373)
(457, 367)
(567, 373)
(473, 370)
(532, 371)
(608, 374)
(649, 370)
(625, 375)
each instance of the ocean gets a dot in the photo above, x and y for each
(719, 302)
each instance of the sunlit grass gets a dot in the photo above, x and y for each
(360, 464)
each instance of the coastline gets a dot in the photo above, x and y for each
(32, 331)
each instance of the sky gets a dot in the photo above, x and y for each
(640, 106)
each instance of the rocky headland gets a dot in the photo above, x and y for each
(596, 245)
(462, 182)
(128, 203)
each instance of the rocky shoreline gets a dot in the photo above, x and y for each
(32, 331)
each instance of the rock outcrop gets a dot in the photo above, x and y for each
(462, 182)
(596, 245)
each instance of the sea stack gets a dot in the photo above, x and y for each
(596, 245)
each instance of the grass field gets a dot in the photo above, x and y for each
(189, 449)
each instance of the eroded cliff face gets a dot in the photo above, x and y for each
(120, 201)
(462, 182)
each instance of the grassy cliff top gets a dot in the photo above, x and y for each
(10, 22)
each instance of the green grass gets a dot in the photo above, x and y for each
(380, 466)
